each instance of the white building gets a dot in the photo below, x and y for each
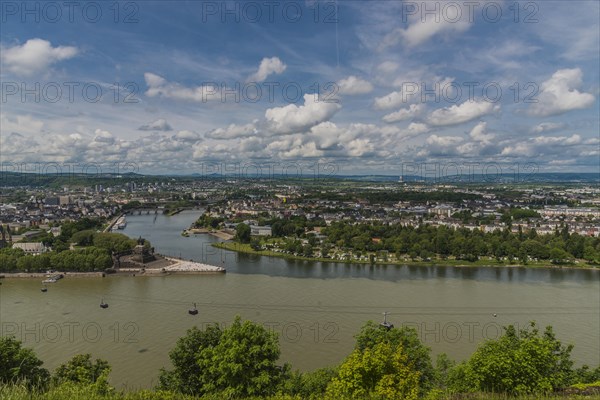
(33, 249)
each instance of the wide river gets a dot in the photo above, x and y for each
(316, 308)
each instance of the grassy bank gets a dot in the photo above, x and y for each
(79, 392)
(245, 248)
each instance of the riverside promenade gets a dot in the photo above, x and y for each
(183, 266)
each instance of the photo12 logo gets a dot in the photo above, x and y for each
(71, 332)
(458, 92)
(55, 92)
(254, 12)
(467, 172)
(53, 12)
(28, 173)
(452, 12)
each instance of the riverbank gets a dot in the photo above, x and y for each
(164, 266)
(245, 248)
(223, 234)
(43, 275)
(182, 266)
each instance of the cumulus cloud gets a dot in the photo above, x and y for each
(423, 26)
(160, 124)
(267, 67)
(548, 127)
(234, 131)
(103, 136)
(391, 100)
(20, 124)
(416, 86)
(186, 136)
(441, 145)
(353, 85)
(458, 114)
(293, 118)
(543, 145)
(559, 94)
(34, 56)
(479, 133)
(405, 113)
(159, 86)
(388, 67)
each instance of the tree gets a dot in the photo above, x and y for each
(418, 355)
(517, 363)
(187, 376)
(114, 242)
(559, 256)
(20, 364)
(82, 370)
(383, 370)
(309, 385)
(83, 238)
(234, 362)
(242, 233)
(255, 244)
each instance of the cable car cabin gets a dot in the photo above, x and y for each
(386, 324)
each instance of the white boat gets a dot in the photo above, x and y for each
(121, 223)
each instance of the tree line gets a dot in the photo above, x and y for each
(427, 241)
(93, 254)
(242, 362)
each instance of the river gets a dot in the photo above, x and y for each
(316, 308)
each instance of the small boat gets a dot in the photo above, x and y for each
(193, 311)
(44, 289)
(103, 304)
(49, 280)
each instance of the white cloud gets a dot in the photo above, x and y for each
(186, 136)
(388, 67)
(267, 67)
(353, 85)
(391, 100)
(405, 113)
(548, 127)
(34, 56)
(416, 86)
(103, 136)
(458, 114)
(20, 124)
(559, 94)
(440, 145)
(293, 118)
(159, 86)
(544, 145)
(234, 131)
(160, 124)
(423, 26)
(479, 134)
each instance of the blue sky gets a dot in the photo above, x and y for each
(369, 86)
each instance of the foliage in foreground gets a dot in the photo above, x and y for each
(237, 361)
(516, 363)
(240, 363)
(72, 391)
